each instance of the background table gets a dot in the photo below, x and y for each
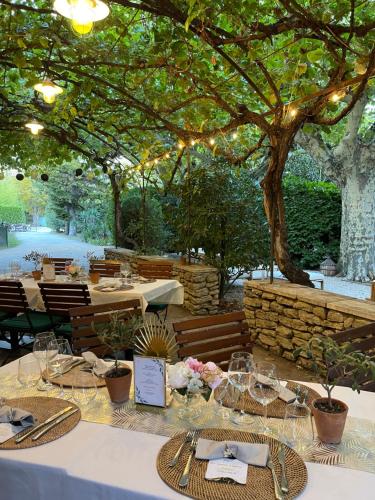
(97, 462)
(160, 291)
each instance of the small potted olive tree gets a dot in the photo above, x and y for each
(331, 362)
(36, 258)
(119, 334)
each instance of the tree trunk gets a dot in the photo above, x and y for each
(120, 238)
(72, 222)
(357, 247)
(275, 211)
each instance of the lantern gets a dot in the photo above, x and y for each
(49, 90)
(34, 127)
(328, 267)
(82, 13)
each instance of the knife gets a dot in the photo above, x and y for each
(278, 493)
(49, 420)
(54, 423)
(67, 369)
(281, 458)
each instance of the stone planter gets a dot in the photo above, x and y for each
(330, 426)
(119, 386)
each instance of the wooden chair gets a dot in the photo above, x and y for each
(158, 269)
(83, 320)
(360, 339)
(213, 338)
(106, 268)
(60, 263)
(59, 298)
(19, 319)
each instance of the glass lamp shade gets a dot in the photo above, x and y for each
(82, 12)
(49, 90)
(34, 127)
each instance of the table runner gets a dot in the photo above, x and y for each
(356, 451)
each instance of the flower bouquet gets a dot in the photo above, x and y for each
(192, 379)
(72, 270)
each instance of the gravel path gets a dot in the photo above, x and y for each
(54, 244)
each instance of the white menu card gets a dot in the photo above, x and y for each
(149, 380)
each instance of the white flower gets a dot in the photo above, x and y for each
(194, 385)
(179, 375)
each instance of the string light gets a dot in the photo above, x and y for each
(181, 145)
(156, 161)
(167, 155)
(212, 141)
(192, 142)
(34, 127)
(49, 90)
(337, 96)
(234, 135)
(293, 112)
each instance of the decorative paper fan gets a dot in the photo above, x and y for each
(154, 339)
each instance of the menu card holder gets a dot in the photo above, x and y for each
(149, 381)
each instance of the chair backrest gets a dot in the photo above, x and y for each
(360, 339)
(104, 267)
(158, 269)
(84, 319)
(213, 338)
(12, 297)
(60, 263)
(59, 298)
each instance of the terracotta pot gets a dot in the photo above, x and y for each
(330, 426)
(37, 275)
(119, 387)
(94, 278)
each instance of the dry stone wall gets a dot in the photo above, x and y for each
(201, 283)
(284, 316)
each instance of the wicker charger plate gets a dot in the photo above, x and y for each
(42, 408)
(110, 289)
(259, 484)
(67, 379)
(276, 409)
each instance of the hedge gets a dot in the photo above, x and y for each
(313, 218)
(12, 215)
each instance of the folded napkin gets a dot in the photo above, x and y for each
(249, 453)
(99, 367)
(285, 394)
(16, 416)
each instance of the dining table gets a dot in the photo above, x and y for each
(159, 291)
(96, 461)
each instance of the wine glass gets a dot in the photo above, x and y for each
(28, 371)
(225, 393)
(84, 388)
(125, 272)
(41, 353)
(243, 355)
(264, 388)
(239, 374)
(61, 357)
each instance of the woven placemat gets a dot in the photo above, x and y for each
(42, 408)
(259, 485)
(275, 409)
(110, 289)
(67, 379)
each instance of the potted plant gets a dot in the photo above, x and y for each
(119, 334)
(36, 258)
(331, 362)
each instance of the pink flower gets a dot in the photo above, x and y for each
(194, 364)
(210, 366)
(211, 375)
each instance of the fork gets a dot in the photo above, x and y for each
(278, 493)
(184, 480)
(188, 438)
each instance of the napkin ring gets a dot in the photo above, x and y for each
(229, 451)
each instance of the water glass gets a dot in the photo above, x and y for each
(15, 268)
(61, 356)
(239, 374)
(225, 392)
(264, 387)
(40, 352)
(28, 371)
(84, 388)
(297, 430)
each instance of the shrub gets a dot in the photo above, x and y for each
(313, 217)
(12, 215)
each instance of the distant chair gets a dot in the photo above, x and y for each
(360, 339)
(59, 298)
(106, 268)
(157, 269)
(22, 320)
(60, 263)
(84, 319)
(213, 338)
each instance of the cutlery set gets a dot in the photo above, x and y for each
(48, 424)
(281, 488)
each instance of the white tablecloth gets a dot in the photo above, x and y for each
(161, 291)
(99, 462)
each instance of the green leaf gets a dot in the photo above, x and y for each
(316, 55)
(21, 44)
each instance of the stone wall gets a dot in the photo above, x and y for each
(284, 316)
(201, 283)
